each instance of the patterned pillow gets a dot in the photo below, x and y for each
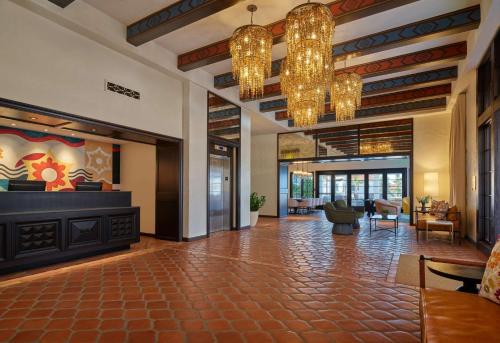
(439, 209)
(490, 286)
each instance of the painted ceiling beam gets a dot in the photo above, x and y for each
(363, 132)
(373, 135)
(426, 78)
(382, 124)
(62, 3)
(423, 58)
(447, 24)
(408, 107)
(344, 11)
(226, 113)
(224, 124)
(391, 98)
(173, 17)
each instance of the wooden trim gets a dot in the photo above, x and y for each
(192, 239)
(267, 216)
(246, 227)
(147, 234)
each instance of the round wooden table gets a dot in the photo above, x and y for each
(469, 275)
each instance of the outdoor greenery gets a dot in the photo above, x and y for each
(256, 201)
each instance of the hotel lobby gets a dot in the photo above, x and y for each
(249, 171)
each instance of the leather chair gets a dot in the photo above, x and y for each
(451, 316)
(344, 219)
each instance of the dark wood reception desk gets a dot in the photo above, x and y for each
(40, 228)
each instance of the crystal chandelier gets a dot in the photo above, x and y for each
(370, 148)
(250, 48)
(309, 38)
(305, 101)
(346, 95)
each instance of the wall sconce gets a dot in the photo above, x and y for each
(474, 182)
(431, 184)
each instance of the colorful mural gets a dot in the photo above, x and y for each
(58, 160)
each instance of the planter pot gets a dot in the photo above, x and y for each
(254, 216)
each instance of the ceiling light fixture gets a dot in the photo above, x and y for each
(346, 95)
(251, 52)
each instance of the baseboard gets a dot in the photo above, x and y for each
(267, 216)
(245, 227)
(191, 239)
(147, 234)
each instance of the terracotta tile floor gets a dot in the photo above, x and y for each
(286, 280)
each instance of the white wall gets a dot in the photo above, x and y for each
(45, 64)
(431, 144)
(264, 171)
(138, 175)
(195, 160)
(246, 163)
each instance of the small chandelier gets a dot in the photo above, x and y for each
(250, 48)
(309, 38)
(346, 95)
(375, 148)
(305, 101)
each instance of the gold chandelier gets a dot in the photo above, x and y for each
(305, 100)
(370, 148)
(250, 48)
(306, 72)
(346, 95)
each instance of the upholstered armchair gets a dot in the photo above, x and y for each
(344, 219)
(382, 205)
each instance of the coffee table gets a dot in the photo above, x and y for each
(469, 275)
(385, 218)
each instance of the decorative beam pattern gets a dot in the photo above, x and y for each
(173, 17)
(391, 98)
(62, 3)
(376, 87)
(227, 113)
(429, 104)
(394, 64)
(450, 23)
(344, 11)
(223, 124)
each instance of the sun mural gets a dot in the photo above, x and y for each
(51, 172)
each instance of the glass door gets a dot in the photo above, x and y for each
(341, 187)
(395, 187)
(486, 189)
(375, 186)
(325, 187)
(357, 189)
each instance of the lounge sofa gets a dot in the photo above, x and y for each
(452, 215)
(451, 316)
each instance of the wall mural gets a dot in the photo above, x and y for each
(58, 160)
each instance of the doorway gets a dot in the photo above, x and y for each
(220, 193)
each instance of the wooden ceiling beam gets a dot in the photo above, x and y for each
(344, 11)
(173, 17)
(223, 123)
(391, 98)
(451, 23)
(418, 59)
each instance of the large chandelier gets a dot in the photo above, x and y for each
(346, 95)
(305, 100)
(250, 48)
(309, 38)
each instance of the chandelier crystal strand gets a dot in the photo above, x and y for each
(369, 148)
(346, 95)
(251, 53)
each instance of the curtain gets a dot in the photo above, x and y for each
(458, 159)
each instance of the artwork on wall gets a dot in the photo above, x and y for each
(58, 160)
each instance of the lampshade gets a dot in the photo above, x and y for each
(431, 184)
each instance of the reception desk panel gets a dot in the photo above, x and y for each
(32, 236)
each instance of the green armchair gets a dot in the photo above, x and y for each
(344, 219)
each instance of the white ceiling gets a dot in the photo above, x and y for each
(221, 25)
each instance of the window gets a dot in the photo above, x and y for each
(302, 186)
(357, 189)
(486, 189)
(395, 186)
(375, 186)
(325, 187)
(341, 187)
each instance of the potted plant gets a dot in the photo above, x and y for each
(256, 202)
(423, 200)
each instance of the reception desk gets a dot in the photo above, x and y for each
(40, 228)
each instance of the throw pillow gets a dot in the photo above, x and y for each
(439, 209)
(490, 286)
(452, 214)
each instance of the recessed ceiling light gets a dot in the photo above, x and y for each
(94, 130)
(13, 124)
(45, 130)
(72, 134)
(33, 118)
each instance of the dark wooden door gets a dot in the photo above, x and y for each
(169, 191)
(283, 190)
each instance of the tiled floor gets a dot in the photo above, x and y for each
(286, 280)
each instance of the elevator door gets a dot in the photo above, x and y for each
(220, 193)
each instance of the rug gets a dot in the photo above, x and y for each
(408, 274)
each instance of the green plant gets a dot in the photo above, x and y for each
(423, 199)
(256, 201)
